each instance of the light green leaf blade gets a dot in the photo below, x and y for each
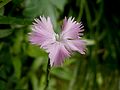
(5, 32)
(14, 20)
(17, 66)
(35, 8)
(4, 2)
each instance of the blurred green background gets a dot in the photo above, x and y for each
(23, 66)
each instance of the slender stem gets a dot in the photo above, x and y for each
(47, 75)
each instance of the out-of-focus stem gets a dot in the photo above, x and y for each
(75, 76)
(47, 75)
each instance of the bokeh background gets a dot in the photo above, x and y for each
(23, 66)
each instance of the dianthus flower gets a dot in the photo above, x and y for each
(59, 46)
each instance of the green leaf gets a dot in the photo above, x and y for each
(88, 15)
(37, 62)
(89, 42)
(98, 15)
(2, 85)
(5, 32)
(34, 8)
(42, 82)
(22, 84)
(34, 81)
(64, 74)
(18, 39)
(17, 66)
(35, 51)
(4, 2)
(1, 11)
(82, 6)
(13, 20)
(59, 4)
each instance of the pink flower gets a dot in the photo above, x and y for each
(59, 46)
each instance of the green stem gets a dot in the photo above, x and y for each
(47, 75)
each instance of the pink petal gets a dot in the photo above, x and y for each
(76, 45)
(36, 38)
(58, 47)
(71, 29)
(57, 54)
(42, 31)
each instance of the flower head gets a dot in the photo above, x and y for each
(59, 46)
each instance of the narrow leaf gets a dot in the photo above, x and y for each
(4, 2)
(17, 66)
(5, 32)
(13, 20)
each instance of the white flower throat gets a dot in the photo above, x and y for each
(58, 37)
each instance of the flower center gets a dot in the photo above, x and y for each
(57, 37)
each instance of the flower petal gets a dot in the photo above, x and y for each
(71, 29)
(57, 54)
(42, 31)
(76, 45)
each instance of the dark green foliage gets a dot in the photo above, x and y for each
(23, 66)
